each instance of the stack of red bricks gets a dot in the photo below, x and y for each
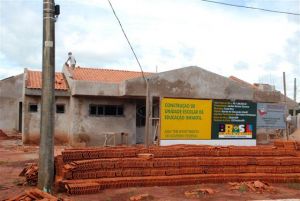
(82, 171)
(30, 172)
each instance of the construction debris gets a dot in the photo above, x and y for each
(295, 135)
(31, 173)
(10, 136)
(34, 195)
(254, 186)
(199, 192)
(141, 197)
(3, 135)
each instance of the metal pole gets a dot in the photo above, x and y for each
(46, 155)
(295, 95)
(147, 114)
(150, 125)
(295, 89)
(286, 112)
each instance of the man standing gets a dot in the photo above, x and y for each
(71, 60)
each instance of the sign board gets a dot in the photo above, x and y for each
(233, 120)
(185, 119)
(270, 115)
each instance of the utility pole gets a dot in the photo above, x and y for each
(286, 109)
(295, 89)
(46, 154)
(147, 120)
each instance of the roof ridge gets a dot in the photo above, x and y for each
(36, 71)
(33, 70)
(234, 78)
(107, 69)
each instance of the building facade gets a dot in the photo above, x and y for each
(91, 102)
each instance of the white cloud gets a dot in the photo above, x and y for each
(7, 72)
(168, 34)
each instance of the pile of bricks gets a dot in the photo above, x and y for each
(33, 195)
(3, 135)
(91, 170)
(30, 172)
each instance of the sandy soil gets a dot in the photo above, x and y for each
(295, 135)
(13, 156)
(176, 193)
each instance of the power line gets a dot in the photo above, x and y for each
(127, 39)
(250, 7)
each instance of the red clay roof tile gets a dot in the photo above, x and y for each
(104, 75)
(242, 82)
(34, 80)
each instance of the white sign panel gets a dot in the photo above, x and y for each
(270, 115)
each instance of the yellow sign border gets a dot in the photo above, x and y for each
(185, 119)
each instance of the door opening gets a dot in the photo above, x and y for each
(20, 116)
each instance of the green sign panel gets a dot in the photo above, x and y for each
(233, 119)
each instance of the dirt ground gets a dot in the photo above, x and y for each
(13, 156)
(295, 135)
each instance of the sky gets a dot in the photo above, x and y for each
(252, 45)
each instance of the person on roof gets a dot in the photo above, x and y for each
(71, 60)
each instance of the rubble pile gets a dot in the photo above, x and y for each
(254, 186)
(90, 170)
(141, 197)
(10, 135)
(34, 195)
(196, 193)
(30, 172)
(3, 135)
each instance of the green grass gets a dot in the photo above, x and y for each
(295, 186)
(3, 162)
(243, 188)
(59, 196)
(18, 182)
(2, 187)
(132, 192)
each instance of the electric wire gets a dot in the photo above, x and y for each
(127, 40)
(250, 7)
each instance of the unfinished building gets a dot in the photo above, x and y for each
(92, 103)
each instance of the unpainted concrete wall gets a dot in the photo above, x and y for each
(189, 82)
(11, 90)
(291, 104)
(31, 121)
(267, 96)
(90, 88)
(91, 129)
